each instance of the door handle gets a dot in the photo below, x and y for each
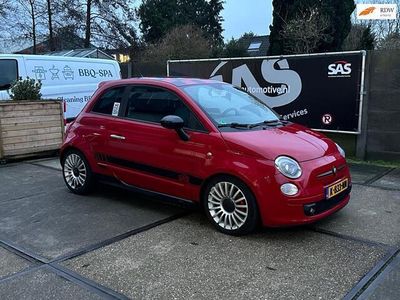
(117, 137)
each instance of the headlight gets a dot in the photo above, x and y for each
(288, 167)
(341, 151)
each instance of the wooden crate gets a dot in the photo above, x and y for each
(30, 127)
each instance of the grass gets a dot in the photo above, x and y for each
(380, 163)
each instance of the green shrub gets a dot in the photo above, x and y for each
(26, 89)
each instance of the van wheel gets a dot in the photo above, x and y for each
(77, 173)
(230, 206)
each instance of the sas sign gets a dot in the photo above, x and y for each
(339, 69)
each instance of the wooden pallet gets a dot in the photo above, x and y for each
(30, 127)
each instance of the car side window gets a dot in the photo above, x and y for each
(109, 103)
(151, 104)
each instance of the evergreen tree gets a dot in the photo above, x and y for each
(283, 11)
(367, 39)
(360, 37)
(158, 17)
(339, 13)
(213, 25)
(288, 11)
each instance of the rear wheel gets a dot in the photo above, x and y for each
(230, 206)
(77, 173)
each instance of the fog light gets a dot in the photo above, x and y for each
(289, 189)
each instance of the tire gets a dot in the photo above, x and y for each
(230, 206)
(77, 173)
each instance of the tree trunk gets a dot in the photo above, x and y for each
(88, 23)
(51, 37)
(32, 5)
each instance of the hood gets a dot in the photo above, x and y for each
(292, 140)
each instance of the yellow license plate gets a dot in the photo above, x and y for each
(336, 188)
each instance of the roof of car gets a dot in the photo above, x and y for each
(179, 82)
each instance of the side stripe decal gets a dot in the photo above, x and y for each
(147, 168)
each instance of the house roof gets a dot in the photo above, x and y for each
(64, 40)
(88, 52)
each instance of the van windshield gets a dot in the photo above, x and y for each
(8, 74)
(227, 105)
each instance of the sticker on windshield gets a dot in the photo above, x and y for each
(115, 110)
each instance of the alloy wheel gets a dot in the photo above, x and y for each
(75, 172)
(228, 205)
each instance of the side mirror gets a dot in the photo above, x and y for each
(176, 123)
(172, 122)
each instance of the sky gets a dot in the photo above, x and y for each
(242, 16)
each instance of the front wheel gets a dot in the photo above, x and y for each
(230, 206)
(76, 172)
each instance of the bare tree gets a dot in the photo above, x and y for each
(89, 18)
(185, 41)
(27, 17)
(306, 32)
(360, 37)
(390, 42)
(3, 7)
(105, 22)
(384, 30)
(50, 24)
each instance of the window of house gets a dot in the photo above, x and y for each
(254, 46)
(151, 104)
(9, 73)
(109, 102)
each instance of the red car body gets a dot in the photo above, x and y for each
(156, 159)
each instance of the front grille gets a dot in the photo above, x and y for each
(331, 171)
(319, 207)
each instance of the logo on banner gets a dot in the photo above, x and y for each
(339, 69)
(327, 119)
(284, 84)
(376, 11)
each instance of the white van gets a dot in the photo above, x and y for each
(71, 79)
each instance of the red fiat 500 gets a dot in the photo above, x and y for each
(208, 142)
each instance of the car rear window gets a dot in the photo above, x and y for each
(9, 73)
(110, 101)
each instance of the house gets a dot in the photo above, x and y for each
(85, 52)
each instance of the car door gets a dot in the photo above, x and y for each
(95, 125)
(144, 154)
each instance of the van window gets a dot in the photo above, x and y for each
(8, 74)
(105, 105)
(151, 104)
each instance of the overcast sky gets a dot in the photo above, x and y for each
(244, 16)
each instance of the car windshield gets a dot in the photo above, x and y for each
(226, 105)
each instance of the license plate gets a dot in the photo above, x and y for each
(336, 188)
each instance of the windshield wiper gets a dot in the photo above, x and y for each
(234, 125)
(266, 122)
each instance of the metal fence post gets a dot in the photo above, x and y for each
(130, 67)
(361, 143)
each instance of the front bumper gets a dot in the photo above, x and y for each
(317, 208)
(310, 204)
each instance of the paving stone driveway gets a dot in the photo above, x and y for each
(117, 245)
